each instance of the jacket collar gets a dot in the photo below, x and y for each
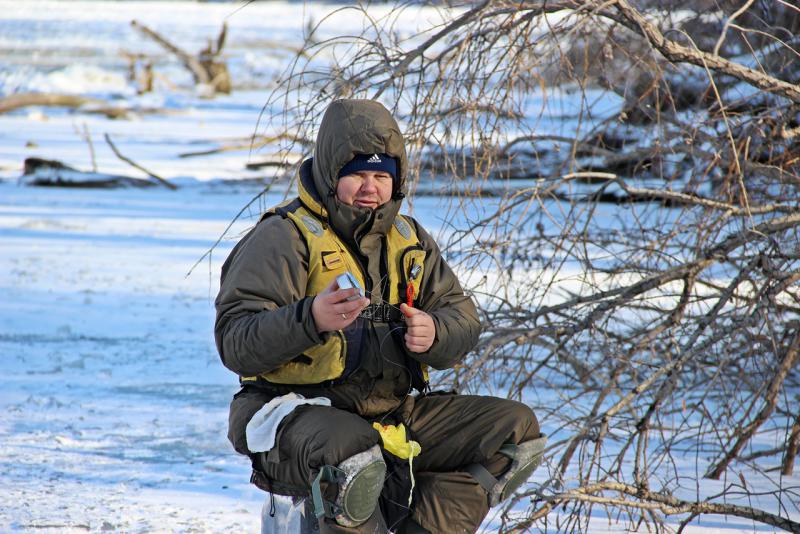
(351, 223)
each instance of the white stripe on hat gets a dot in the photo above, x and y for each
(374, 159)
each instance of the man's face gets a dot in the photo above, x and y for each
(365, 189)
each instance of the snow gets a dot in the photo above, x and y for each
(114, 398)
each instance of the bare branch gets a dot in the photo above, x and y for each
(746, 432)
(728, 23)
(679, 53)
(665, 504)
(132, 163)
(189, 61)
(792, 448)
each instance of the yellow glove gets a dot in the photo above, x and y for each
(395, 441)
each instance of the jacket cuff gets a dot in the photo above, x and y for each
(306, 318)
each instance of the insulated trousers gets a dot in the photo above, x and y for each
(454, 431)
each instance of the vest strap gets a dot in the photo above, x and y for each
(382, 313)
(482, 476)
(322, 507)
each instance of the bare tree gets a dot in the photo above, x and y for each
(625, 192)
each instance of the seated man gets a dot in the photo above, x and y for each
(322, 357)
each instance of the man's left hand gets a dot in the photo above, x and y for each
(420, 329)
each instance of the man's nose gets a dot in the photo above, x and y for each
(369, 184)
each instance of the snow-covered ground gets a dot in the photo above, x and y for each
(114, 399)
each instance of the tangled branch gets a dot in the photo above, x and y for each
(624, 206)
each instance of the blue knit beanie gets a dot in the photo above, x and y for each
(371, 162)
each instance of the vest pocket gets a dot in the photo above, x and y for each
(317, 364)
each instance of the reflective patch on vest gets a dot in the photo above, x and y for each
(402, 227)
(332, 259)
(312, 224)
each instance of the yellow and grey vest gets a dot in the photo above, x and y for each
(329, 258)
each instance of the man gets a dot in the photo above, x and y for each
(319, 363)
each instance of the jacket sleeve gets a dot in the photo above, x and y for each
(454, 314)
(263, 317)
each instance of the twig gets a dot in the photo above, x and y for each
(728, 23)
(230, 225)
(749, 430)
(88, 138)
(409, 58)
(792, 448)
(137, 166)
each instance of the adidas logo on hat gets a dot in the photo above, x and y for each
(374, 159)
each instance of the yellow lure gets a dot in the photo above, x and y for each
(395, 441)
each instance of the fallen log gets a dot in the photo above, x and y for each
(54, 173)
(256, 165)
(12, 102)
(80, 103)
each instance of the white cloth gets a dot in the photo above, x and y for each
(263, 426)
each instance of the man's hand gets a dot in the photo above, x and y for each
(331, 309)
(420, 329)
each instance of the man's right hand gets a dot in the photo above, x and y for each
(331, 309)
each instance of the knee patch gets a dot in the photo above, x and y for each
(525, 458)
(360, 482)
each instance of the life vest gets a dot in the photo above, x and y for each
(329, 257)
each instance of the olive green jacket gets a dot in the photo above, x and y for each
(264, 317)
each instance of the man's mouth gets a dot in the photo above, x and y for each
(364, 203)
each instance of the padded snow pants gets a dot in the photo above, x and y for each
(454, 432)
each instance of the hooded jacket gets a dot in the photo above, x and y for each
(264, 316)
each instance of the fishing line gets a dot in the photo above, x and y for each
(403, 367)
(380, 351)
(382, 301)
(406, 506)
(247, 3)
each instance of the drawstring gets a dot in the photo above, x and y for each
(272, 504)
(413, 483)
